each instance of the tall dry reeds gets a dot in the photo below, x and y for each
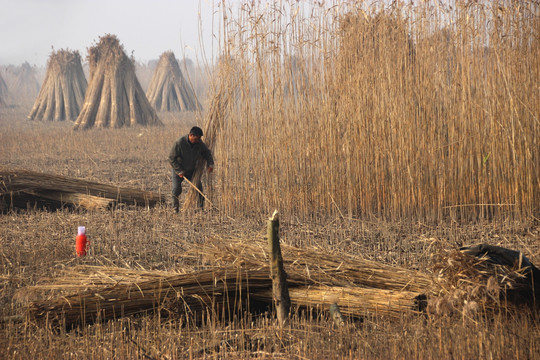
(224, 90)
(400, 111)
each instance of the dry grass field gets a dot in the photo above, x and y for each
(440, 151)
(36, 244)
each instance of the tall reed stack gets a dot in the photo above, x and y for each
(25, 87)
(169, 90)
(406, 111)
(62, 93)
(3, 92)
(114, 97)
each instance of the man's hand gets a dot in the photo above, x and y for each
(210, 169)
(181, 174)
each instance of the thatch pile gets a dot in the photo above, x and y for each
(169, 90)
(317, 279)
(484, 278)
(3, 91)
(62, 93)
(26, 86)
(23, 188)
(238, 277)
(114, 97)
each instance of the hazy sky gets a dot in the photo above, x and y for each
(29, 29)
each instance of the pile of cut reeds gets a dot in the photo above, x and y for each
(318, 279)
(240, 274)
(114, 97)
(239, 277)
(482, 278)
(192, 294)
(3, 91)
(26, 86)
(319, 267)
(22, 188)
(62, 93)
(169, 90)
(107, 295)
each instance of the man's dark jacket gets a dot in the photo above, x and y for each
(184, 155)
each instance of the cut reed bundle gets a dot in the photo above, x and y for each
(18, 188)
(114, 97)
(192, 294)
(3, 92)
(169, 90)
(316, 280)
(92, 277)
(26, 87)
(110, 293)
(317, 266)
(352, 301)
(62, 93)
(472, 281)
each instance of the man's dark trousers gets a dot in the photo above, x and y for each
(177, 189)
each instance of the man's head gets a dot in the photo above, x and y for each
(195, 134)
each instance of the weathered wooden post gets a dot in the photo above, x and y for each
(280, 290)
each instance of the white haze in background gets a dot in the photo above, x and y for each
(30, 29)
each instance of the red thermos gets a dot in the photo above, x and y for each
(81, 242)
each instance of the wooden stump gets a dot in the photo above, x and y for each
(280, 290)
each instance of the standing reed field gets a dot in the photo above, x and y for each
(426, 110)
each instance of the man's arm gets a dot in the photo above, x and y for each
(175, 159)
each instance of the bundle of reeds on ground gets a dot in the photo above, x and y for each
(62, 93)
(169, 90)
(481, 278)
(192, 294)
(238, 279)
(25, 188)
(114, 97)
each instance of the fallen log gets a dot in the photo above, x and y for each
(25, 188)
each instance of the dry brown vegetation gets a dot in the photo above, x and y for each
(381, 136)
(420, 111)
